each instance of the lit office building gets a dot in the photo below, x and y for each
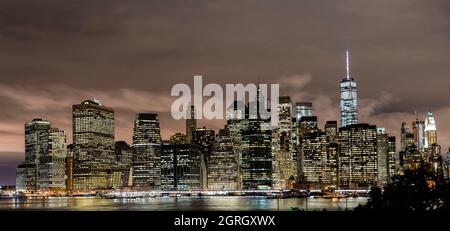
(409, 156)
(383, 156)
(52, 165)
(446, 167)
(303, 109)
(180, 167)
(146, 160)
(433, 156)
(222, 168)
(314, 163)
(419, 133)
(94, 157)
(256, 166)
(178, 138)
(430, 130)
(204, 139)
(45, 153)
(332, 136)
(236, 123)
(410, 159)
(307, 124)
(191, 123)
(284, 167)
(406, 137)
(36, 140)
(358, 156)
(393, 161)
(93, 132)
(349, 101)
(123, 153)
(331, 130)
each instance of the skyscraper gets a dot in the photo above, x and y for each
(222, 168)
(430, 130)
(45, 153)
(52, 165)
(382, 156)
(36, 145)
(284, 166)
(314, 167)
(180, 166)
(236, 123)
(406, 137)
(303, 109)
(178, 138)
(349, 101)
(358, 156)
(191, 123)
(146, 160)
(204, 139)
(256, 166)
(93, 132)
(393, 161)
(123, 153)
(419, 133)
(95, 165)
(446, 163)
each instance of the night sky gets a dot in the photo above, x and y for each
(129, 54)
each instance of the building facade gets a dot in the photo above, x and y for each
(222, 168)
(146, 158)
(358, 165)
(180, 167)
(349, 100)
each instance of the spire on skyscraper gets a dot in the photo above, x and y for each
(347, 73)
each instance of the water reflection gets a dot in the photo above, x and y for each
(183, 203)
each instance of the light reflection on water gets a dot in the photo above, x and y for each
(231, 203)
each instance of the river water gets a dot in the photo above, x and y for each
(194, 203)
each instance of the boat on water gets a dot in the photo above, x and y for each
(19, 196)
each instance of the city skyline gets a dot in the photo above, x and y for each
(42, 80)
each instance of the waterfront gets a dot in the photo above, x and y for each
(222, 203)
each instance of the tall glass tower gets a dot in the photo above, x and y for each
(146, 156)
(349, 101)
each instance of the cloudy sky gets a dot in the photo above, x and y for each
(129, 54)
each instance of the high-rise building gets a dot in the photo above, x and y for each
(123, 153)
(204, 139)
(222, 167)
(358, 156)
(406, 138)
(45, 152)
(382, 156)
(284, 167)
(393, 162)
(349, 101)
(94, 157)
(256, 166)
(446, 167)
(180, 167)
(52, 165)
(303, 109)
(236, 123)
(146, 160)
(430, 130)
(307, 124)
(36, 145)
(191, 123)
(93, 132)
(419, 133)
(314, 167)
(178, 138)
(331, 130)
